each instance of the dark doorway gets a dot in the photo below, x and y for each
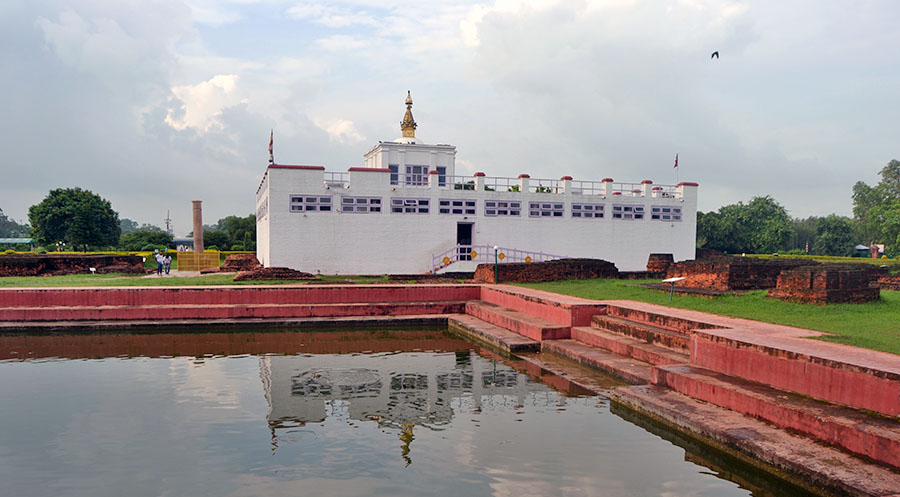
(464, 240)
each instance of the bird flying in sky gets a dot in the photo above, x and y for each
(715, 55)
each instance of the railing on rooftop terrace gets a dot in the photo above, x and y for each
(484, 254)
(337, 180)
(505, 184)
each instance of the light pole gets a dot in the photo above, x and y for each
(496, 264)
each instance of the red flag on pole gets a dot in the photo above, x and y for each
(676, 158)
(271, 142)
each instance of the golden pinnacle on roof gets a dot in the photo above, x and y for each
(408, 124)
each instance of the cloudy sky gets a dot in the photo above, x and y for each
(152, 104)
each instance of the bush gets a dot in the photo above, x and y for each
(212, 247)
(41, 250)
(9, 251)
(237, 247)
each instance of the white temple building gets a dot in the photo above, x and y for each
(407, 211)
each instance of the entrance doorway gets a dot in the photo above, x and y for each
(464, 240)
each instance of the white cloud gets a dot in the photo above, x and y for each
(203, 103)
(330, 15)
(341, 131)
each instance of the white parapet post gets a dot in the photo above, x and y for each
(566, 184)
(646, 186)
(523, 182)
(479, 182)
(433, 180)
(606, 187)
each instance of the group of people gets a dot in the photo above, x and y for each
(163, 263)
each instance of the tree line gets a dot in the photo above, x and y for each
(764, 226)
(74, 219)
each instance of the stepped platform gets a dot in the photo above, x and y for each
(533, 327)
(561, 309)
(494, 335)
(796, 458)
(628, 347)
(165, 312)
(626, 368)
(877, 438)
(665, 337)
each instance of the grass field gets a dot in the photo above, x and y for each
(875, 325)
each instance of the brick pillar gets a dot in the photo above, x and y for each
(198, 226)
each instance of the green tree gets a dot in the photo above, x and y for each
(127, 225)
(804, 233)
(760, 226)
(141, 239)
(217, 238)
(876, 210)
(77, 217)
(834, 236)
(11, 229)
(236, 227)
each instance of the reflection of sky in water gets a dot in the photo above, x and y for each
(417, 424)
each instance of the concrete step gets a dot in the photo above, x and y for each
(851, 376)
(629, 347)
(800, 459)
(877, 438)
(245, 294)
(627, 368)
(648, 333)
(560, 309)
(533, 327)
(501, 338)
(663, 320)
(224, 311)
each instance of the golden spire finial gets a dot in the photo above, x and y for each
(408, 124)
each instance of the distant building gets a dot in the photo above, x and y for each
(407, 211)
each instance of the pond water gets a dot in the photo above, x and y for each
(326, 413)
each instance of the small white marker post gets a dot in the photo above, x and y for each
(672, 281)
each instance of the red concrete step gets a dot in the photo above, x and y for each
(658, 319)
(626, 368)
(859, 378)
(225, 311)
(648, 333)
(506, 340)
(533, 327)
(877, 438)
(628, 347)
(560, 309)
(249, 295)
(830, 470)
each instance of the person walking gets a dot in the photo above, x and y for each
(168, 263)
(160, 260)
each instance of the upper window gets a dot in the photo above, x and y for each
(451, 206)
(409, 205)
(360, 205)
(416, 175)
(395, 173)
(665, 213)
(307, 203)
(502, 208)
(628, 212)
(594, 211)
(442, 176)
(545, 209)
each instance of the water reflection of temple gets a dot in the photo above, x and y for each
(395, 390)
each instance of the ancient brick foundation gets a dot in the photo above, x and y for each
(659, 262)
(240, 262)
(58, 264)
(564, 269)
(826, 284)
(273, 273)
(733, 273)
(888, 282)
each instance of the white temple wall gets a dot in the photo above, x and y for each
(335, 242)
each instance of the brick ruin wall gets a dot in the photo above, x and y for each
(888, 282)
(59, 264)
(273, 273)
(828, 283)
(240, 262)
(564, 269)
(733, 273)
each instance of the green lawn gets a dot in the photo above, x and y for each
(875, 325)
